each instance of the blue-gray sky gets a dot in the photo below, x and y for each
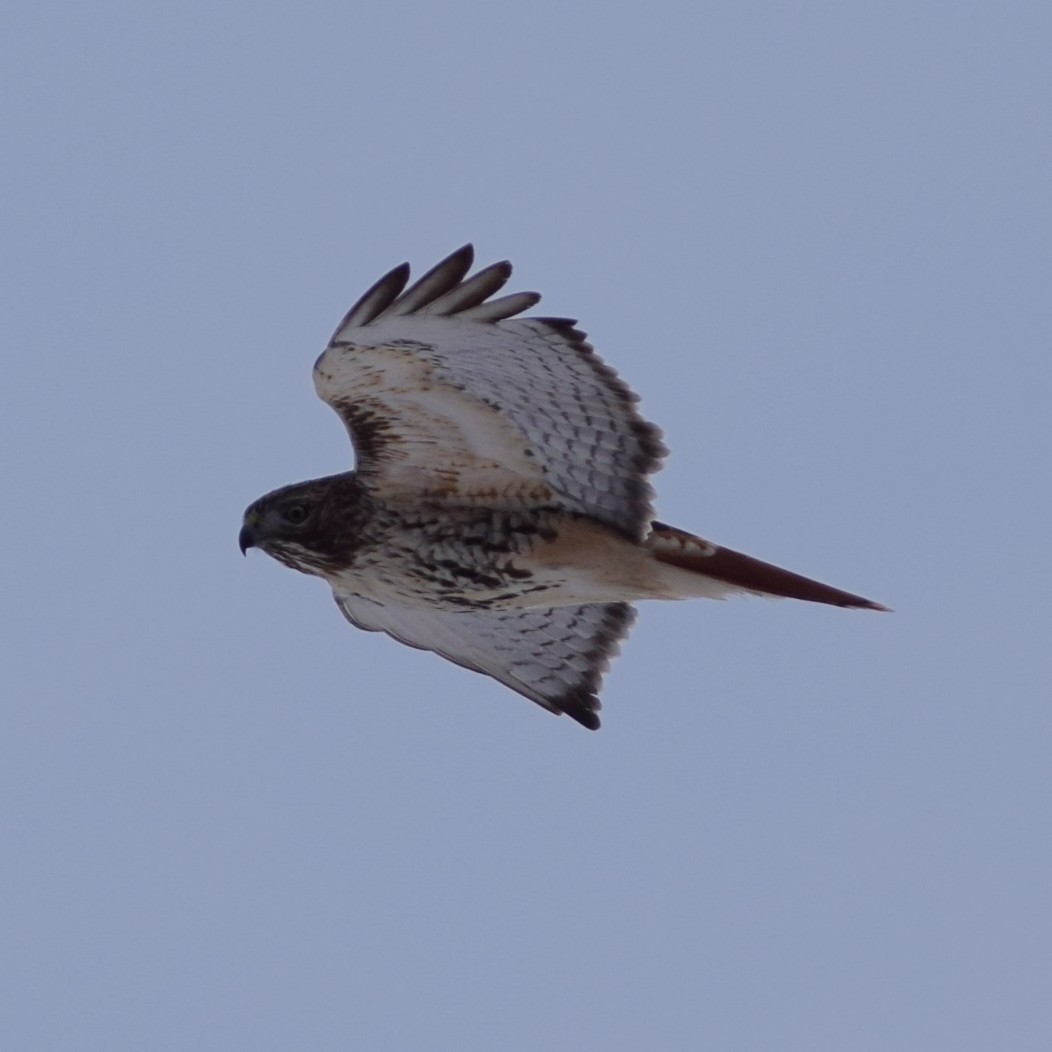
(816, 239)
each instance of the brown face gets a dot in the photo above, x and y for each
(288, 525)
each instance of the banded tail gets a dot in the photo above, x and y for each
(682, 549)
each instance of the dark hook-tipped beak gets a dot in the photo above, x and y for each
(246, 539)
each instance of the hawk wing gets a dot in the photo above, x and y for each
(449, 398)
(553, 657)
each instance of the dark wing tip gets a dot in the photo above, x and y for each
(442, 278)
(466, 252)
(583, 710)
(444, 290)
(375, 300)
(581, 702)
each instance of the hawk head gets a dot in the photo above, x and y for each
(306, 525)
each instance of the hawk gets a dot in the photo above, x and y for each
(499, 514)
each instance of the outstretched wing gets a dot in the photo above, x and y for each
(448, 397)
(553, 657)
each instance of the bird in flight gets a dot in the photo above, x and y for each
(499, 514)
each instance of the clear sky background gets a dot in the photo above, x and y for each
(817, 239)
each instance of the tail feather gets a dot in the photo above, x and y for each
(682, 549)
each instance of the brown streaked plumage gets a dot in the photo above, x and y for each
(500, 514)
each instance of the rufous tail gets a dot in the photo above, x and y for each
(682, 549)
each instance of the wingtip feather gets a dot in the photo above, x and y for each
(444, 290)
(585, 717)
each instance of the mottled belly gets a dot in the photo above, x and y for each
(504, 561)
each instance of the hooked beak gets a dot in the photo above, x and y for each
(246, 539)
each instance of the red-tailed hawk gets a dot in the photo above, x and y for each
(500, 513)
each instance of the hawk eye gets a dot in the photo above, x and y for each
(296, 514)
